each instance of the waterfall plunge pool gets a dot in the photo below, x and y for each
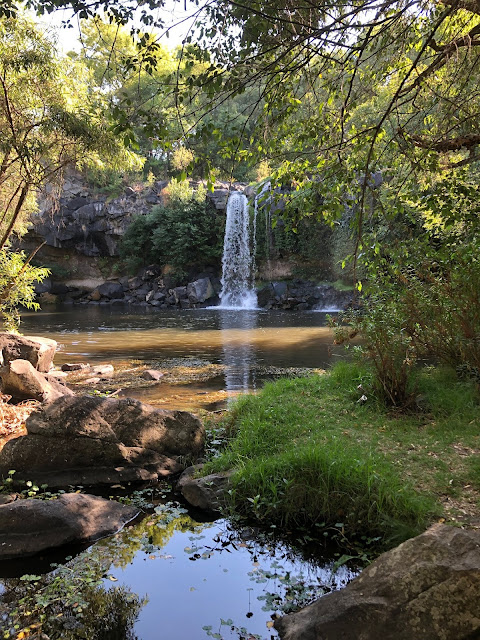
(237, 350)
(180, 577)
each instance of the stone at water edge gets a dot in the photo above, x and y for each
(206, 492)
(23, 382)
(74, 366)
(90, 440)
(30, 526)
(102, 370)
(428, 588)
(38, 351)
(152, 374)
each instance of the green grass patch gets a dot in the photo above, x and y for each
(308, 454)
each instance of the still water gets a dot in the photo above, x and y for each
(185, 579)
(171, 577)
(250, 345)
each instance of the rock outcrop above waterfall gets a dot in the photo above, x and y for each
(92, 223)
(87, 440)
(428, 588)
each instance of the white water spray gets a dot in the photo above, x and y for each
(238, 291)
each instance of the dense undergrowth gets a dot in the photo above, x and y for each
(313, 452)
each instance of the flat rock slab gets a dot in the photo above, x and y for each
(28, 527)
(89, 440)
(427, 588)
(38, 351)
(152, 374)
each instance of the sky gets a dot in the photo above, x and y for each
(177, 21)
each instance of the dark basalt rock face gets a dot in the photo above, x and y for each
(94, 224)
(302, 295)
(94, 441)
(28, 527)
(428, 588)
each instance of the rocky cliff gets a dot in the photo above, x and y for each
(92, 224)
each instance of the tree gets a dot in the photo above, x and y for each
(46, 126)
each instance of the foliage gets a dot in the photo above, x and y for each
(17, 278)
(46, 126)
(183, 233)
(422, 295)
(182, 158)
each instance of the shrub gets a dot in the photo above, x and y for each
(183, 233)
(17, 278)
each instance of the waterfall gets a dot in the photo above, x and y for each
(238, 291)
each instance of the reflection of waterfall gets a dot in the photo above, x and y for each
(238, 290)
(238, 350)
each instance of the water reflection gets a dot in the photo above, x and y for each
(238, 354)
(184, 579)
(252, 345)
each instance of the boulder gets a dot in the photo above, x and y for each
(111, 290)
(30, 526)
(180, 293)
(74, 366)
(38, 351)
(428, 588)
(90, 440)
(95, 295)
(206, 492)
(200, 290)
(23, 382)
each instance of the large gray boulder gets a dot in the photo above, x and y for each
(89, 440)
(111, 290)
(200, 290)
(30, 526)
(428, 588)
(22, 381)
(38, 351)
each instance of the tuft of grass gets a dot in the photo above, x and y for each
(309, 453)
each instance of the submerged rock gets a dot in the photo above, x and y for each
(38, 351)
(428, 588)
(30, 526)
(152, 374)
(90, 440)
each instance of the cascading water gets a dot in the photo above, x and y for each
(238, 290)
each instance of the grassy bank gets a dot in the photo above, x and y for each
(309, 452)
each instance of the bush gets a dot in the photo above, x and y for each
(422, 295)
(184, 233)
(17, 278)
